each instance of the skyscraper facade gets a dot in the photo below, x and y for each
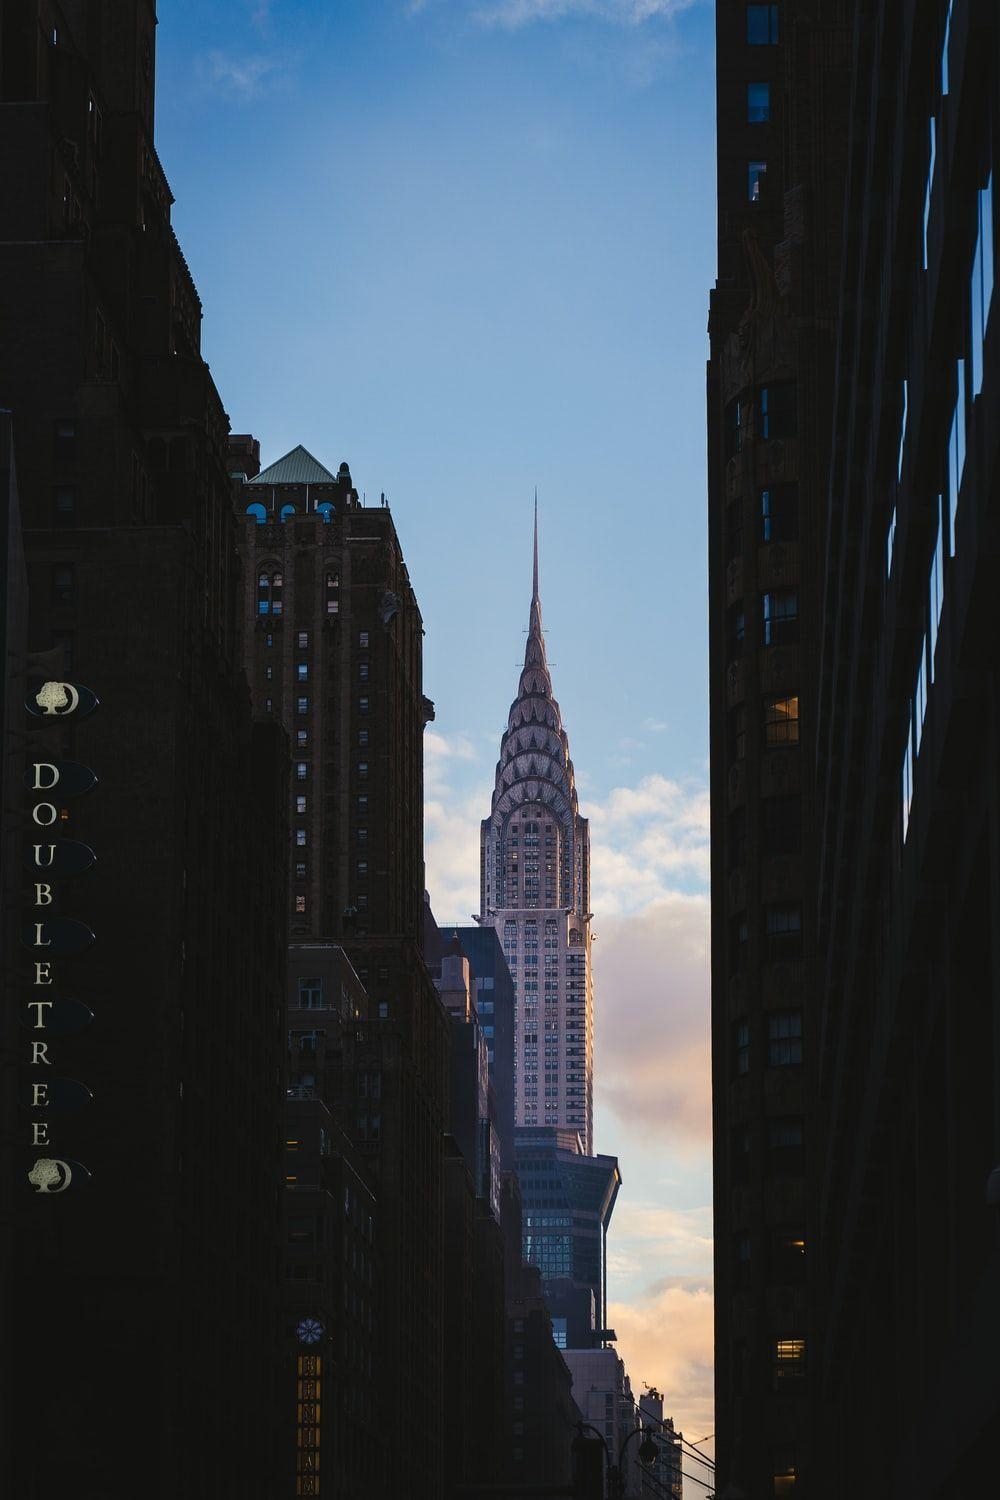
(783, 75)
(535, 891)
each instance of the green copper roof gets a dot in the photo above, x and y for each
(297, 467)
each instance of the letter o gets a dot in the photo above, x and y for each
(44, 807)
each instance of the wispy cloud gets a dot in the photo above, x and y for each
(516, 13)
(244, 76)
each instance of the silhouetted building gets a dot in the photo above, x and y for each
(663, 1477)
(334, 652)
(784, 83)
(908, 762)
(544, 1416)
(146, 1295)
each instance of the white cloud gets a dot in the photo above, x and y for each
(515, 13)
(666, 1340)
(243, 76)
(646, 841)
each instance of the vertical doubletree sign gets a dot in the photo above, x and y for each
(48, 1013)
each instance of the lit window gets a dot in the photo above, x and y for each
(301, 737)
(789, 1362)
(758, 103)
(363, 671)
(302, 672)
(362, 768)
(784, 1038)
(362, 705)
(300, 838)
(300, 804)
(784, 1473)
(300, 904)
(363, 803)
(781, 721)
(756, 172)
(301, 770)
(762, 25)
(302, 639)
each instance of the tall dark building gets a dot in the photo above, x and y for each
(334, 653)
(145, 1308)
(856, 1005)
(784, 82)
(908, 762)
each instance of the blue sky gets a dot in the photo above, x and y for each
(466, 245)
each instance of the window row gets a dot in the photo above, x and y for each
(784, 1042)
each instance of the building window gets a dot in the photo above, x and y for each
(363, 638)
(302, 705)
(758, 103)
(269, 640)
(300, 905)
(362, 835)
(332, 594)
(65, 440)
(788, 1257)
(756, 172)
(779, 514)
(932, 157)
(781, 721)
(301, 737)
(734, 529)
(784, 1470)
(781, 617)
(302, 672)
(956, 450)
(302, 639)
(784, 1038)
(363, 802)
(781, 825)
(64, 510)
(735, 421)
(363, 671)
(300, 870)
(786, 1146)
(300, 838)
(741, 1048)
(362, 869)
(300, 804)
(270, 592)
(362, 769)
(737, 628)
(383, 1010)
(268, 705)
(301, 770)
(362, 736)
(981, 288)
(778, 413)
(783, 928)
(362, 705)
(311, 993)
(268, 673)
(762, 25)
(64, 584)
(789, 1362)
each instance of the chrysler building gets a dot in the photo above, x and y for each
(535, 891)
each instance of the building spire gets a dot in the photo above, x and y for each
(534, 579)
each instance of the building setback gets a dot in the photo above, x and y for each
(908, 763)
(334, 653)
(143, 1335)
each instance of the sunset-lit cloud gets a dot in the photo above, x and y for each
(665, 1340)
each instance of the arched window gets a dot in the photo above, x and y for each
(332, 594)
(325, 509)
(257, 512)
(269, 591)
(285, 512)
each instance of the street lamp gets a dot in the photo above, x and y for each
(616, 1479)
